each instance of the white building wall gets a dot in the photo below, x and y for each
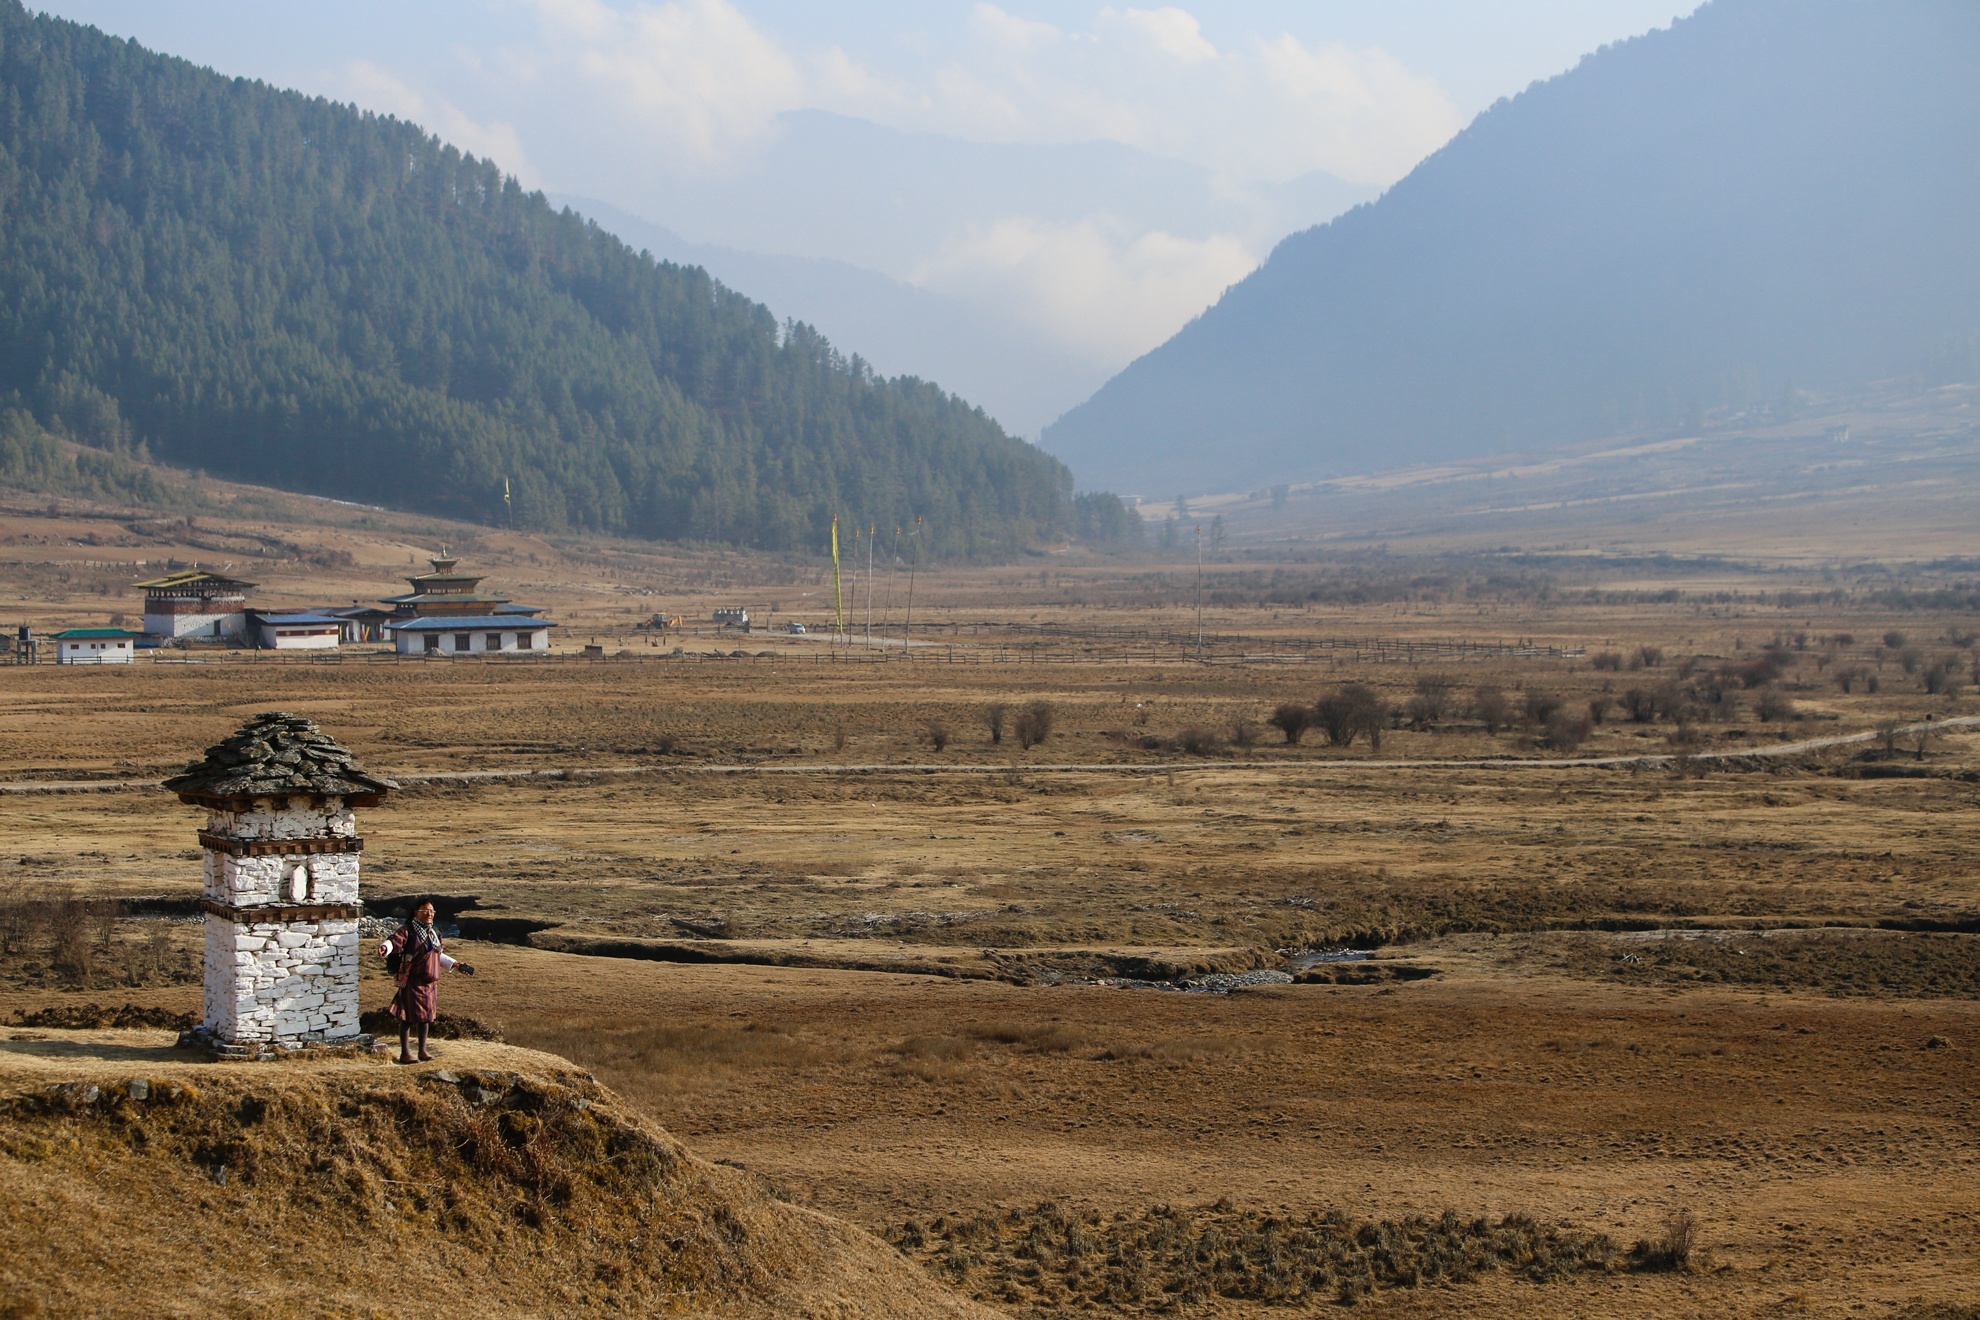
(275, 637)
(232, 624)
(94, 653)
(410, 642)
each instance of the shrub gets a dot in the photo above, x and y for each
(1199, 741)
(1293, 720)
(1564, 732)
(938, 735)
(1773, 707)
(1433, 696)
(1894, 640)
(1539, 707)
(1910, 658)
(1490, 708)
(1244, 733)
(1351, 710)
(1033, 724)
(1848, 677)
(994, 715)
(1605, 660)
(1942, 679)
(1646, 657)
(1670, 1250)
(70, 949)
(1599, 707)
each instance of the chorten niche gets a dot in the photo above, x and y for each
(281, 852)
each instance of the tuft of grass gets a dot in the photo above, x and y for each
(1670, 1250)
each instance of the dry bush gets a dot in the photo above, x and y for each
(1352, 710)
(1033, 724)
(838, 737)
(16, 918)
(1942, 679)
(1773, 707)
(70, 948)
(1198, 741)
(1848, 676)
(1433, 696)
(1599, 707)
(938, 735)
(1894, 640)
(1293, 720)
(1538, 707)
(1910, 658)
(1646, 657)
(1670, 1250)
(994, 716)
(1244, 733)
(1564, 732)
(1490, 708)
(1609, 660)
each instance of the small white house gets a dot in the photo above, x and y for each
(494, 634)
(732, 616)
(95, 646)
(295, 630)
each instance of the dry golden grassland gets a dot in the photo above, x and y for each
(886, 976)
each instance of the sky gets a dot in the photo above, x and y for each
(1090, 176)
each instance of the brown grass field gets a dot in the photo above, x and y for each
(751, 895)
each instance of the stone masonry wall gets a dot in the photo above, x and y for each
(257, 881)
(292, 980)
(272, 980)
(295, 818)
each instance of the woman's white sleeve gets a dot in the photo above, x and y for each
(446, 964)
(385, 949)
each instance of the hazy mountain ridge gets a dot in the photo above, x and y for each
(1768, 193)
(1015, 375)
(283, 290)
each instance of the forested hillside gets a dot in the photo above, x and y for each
(280, 289)
(1767, 198)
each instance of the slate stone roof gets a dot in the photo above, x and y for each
(274, 755)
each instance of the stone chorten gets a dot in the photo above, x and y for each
(281, 893)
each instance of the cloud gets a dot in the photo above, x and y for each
(695, 77)
(1105, 292)
(375, 89)
(1173, 32)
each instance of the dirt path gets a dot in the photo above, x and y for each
(1650, 761)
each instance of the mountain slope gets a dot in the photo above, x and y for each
(286, 291)
(1769, 194)
(1017, 376)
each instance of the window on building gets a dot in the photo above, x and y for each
(463, 641)
(493, 642)
(524, 641)
(432, 641)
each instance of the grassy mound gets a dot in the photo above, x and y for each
(334, 1188)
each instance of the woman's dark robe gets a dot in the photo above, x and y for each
(418, 999)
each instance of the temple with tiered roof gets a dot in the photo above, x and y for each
(447, 613)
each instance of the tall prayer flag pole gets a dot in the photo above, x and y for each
(838, 604)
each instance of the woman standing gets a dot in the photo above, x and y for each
(414, 957)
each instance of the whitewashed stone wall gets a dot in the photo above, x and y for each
(286, 981)
(258, 881)
(280, 818)
(274, 981)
